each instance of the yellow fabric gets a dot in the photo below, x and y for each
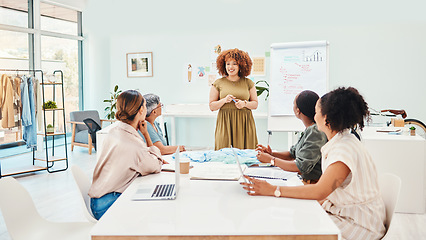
(6, 102)
(235, 126)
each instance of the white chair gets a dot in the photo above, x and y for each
(24, 222)
(390, 186)
(83, 183)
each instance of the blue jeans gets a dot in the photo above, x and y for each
(100, 205)
(29, 133)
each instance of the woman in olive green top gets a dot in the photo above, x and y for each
(235, 96)
(305, 156)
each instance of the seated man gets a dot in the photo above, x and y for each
(154, 110)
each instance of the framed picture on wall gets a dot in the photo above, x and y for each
(139, 64)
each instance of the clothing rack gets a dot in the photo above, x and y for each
(49, 162)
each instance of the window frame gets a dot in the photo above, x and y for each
(34, 41)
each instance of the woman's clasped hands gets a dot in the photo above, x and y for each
(264, 154)
(238, 103)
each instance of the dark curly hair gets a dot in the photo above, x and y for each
(344, 108)
(243, 60)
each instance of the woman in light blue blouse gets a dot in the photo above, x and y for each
(154, 110)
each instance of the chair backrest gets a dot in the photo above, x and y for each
(79, 116)
(390, 186)
(83, 183)
(18, 209)
(163, 126)
(93, 127)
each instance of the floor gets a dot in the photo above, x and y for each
(57, 198)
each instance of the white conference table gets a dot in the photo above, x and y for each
(405, 157)
(212, 210)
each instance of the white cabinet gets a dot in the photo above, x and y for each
(405, 157)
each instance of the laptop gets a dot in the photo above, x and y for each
(239, 165)
(160, 191)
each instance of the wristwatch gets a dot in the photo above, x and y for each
(277, 192)
(273, 161)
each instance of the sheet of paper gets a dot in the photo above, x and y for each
(215, 171)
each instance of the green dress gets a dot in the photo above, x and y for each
(235, 126)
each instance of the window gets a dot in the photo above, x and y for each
(62, 54)
(60, 41)
(14, 54)
(58, 19)
(14, 12)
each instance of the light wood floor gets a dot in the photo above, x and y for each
(57, 198)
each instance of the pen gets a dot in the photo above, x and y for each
(255, 176)
(234, 100)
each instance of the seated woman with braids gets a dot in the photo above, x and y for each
(305, 156)
(348, 188)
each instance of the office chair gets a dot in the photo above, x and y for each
(80, 133)
(390, 185)
(92, 128)
(24, 222)
(83, 183)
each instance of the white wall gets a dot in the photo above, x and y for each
(375, 46)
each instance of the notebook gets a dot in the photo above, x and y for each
(160, 191)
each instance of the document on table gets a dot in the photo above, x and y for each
(169, 167)
(269, 173)
(216, 171)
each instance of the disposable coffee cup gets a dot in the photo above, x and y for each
(184, 165)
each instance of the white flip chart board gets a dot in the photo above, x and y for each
(295, 67)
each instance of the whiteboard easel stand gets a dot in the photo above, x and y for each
(291, 138)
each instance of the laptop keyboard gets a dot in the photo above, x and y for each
(164, 190)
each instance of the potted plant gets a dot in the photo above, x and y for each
(413, 131)
(49, 105)
(261, 89)
(112, 103)
(50, 129)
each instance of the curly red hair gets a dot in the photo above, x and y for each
(243, 60)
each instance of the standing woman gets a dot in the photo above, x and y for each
(124, 155)
(235, 96)
(348, 187)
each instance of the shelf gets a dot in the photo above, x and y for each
(21, 170)
(52, 134)
(52, 159)
(53, 109)
(51, 83)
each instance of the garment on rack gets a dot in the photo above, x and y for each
(28, 113)
(39, 104)
(16, 86)
(6, 102)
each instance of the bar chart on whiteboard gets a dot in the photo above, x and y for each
(294, 68)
